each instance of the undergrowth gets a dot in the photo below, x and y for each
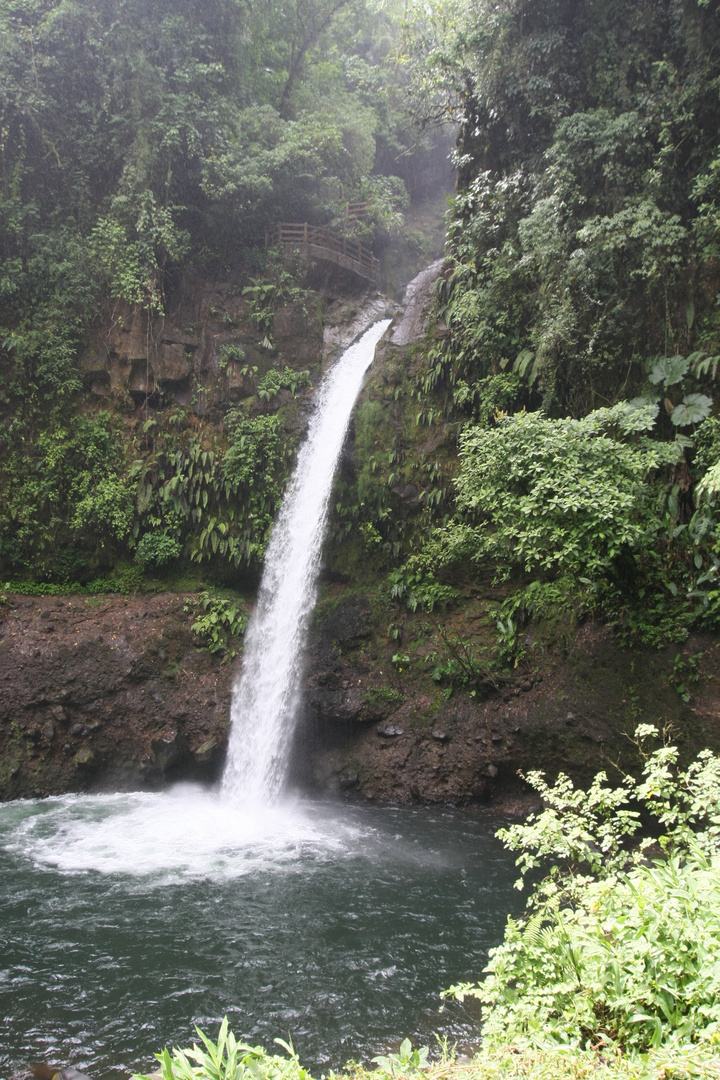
(229, 1060)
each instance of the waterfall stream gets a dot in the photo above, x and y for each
(266, 694)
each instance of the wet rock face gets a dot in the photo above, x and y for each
(373, 732)
(411, 323)
(346, 319)
(298, 336)
(182, 358)
(107, 693)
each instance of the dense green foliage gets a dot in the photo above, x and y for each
(75, 487)
(621, 944)
(146, 146)
(78, 503)
(584, 244)
(591, 502)
(560, 494)
(147, 127)
(581, 286)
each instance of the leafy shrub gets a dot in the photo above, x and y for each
(488, 396)
(406, 1062)
(122, 580)
(618, 947)
(35, 588)
(415, 585)
(264, 297)
(669, 371)
(126, 581)
(228, 1059)
(561, 599)
(251, 480)
(460, 662)
(214, 502)
(559, 494)
(707, 444)
(288, 379)
(231, 354)
(218, 623)
(131, 246)
(66, 498)
(157, 549)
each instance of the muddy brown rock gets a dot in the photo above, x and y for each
(118, 696)
(575, 713)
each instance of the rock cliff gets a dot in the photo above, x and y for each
(115, 692)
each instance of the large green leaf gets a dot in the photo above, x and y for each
(692, 409)
(669, 370)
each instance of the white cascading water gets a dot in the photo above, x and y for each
(266, 694)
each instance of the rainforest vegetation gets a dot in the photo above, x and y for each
(568, 381)
(577, 346)
(559, 425)
(146, 148)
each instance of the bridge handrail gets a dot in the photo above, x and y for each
(300, 233)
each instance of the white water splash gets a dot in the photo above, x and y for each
(266, 695)
(182, 834)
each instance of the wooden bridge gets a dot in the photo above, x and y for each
(318, 243)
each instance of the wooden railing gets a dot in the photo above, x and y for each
(356, 210)
(322, 243)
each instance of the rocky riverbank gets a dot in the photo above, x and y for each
(114, 693)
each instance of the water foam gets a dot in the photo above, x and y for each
(174, 836)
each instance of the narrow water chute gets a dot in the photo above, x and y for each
(267, 693)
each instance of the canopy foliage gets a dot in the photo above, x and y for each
(143, 143)
(581, 290)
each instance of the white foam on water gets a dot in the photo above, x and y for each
(174, 836)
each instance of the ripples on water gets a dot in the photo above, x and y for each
(125, 919)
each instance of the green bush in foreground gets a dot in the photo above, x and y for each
(615, 970)
(619, 948)
(228, 1059)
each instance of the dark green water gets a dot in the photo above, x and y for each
(126, 919)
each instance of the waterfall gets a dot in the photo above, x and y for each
(266, 695)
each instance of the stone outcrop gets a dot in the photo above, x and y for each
(105, 693)
(114, 693)
(386, 731)
(190, 358)
(411, 323)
